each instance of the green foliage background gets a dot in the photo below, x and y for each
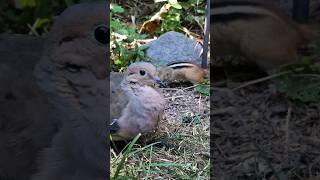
(17, 16)
(185, 16)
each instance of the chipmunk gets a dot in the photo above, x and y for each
(257, 30)
(182, 71)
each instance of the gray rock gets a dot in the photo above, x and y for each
(174, 47)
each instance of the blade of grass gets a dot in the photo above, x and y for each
(125, 156)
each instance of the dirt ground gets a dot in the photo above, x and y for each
(259, 133)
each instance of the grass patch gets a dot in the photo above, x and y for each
(178, 150)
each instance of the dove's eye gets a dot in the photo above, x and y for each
(101, 34)
(142, 72)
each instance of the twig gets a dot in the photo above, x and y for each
(220, 150)
(204, 63)
(262, 154)
(171, 89)
(199, 107)
(289, 114)
(256, 81)
(307, 75)
(297, 175)
(174, 97)
(32, 30)
(145, 41)
(190, 87)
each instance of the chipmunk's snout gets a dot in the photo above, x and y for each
(157, 80)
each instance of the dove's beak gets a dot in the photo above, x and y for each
(158, 81)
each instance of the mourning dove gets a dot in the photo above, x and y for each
(27, 120)
(136, 106)
(55, 110)
(73, 73)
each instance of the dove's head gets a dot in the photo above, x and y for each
(142, 74)
(79, 38)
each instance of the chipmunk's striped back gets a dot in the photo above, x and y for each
(257, 30)
(182, 64)
(182, 71)
(227, 11)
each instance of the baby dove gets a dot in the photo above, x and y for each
(136, 105)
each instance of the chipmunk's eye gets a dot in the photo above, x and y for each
(142, 72)
(101, 34)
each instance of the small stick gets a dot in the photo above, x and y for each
(174, 97)
(289, 114)
(256, 81)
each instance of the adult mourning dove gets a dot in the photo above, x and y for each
(136, 106)
(27, 120)
(58, 105)
(73, 73)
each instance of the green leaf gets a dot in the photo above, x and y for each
(116, 8)
(175, 4)
(173, 1)
(140, 54)
(185, 6)
(41, 22)
(194, 2)
(201, 11)
(69, 2)
(300, 88)
(203, 89)
(144, 47)
(28, 3)
(189, 18)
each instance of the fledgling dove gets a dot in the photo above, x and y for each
(136, 105)
(56, 107)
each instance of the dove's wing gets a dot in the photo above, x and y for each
(118, 98)
(27, 119)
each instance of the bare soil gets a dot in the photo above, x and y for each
(259, 133)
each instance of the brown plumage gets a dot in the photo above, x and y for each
(136, 105)
(53, 116)
(73, 73)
